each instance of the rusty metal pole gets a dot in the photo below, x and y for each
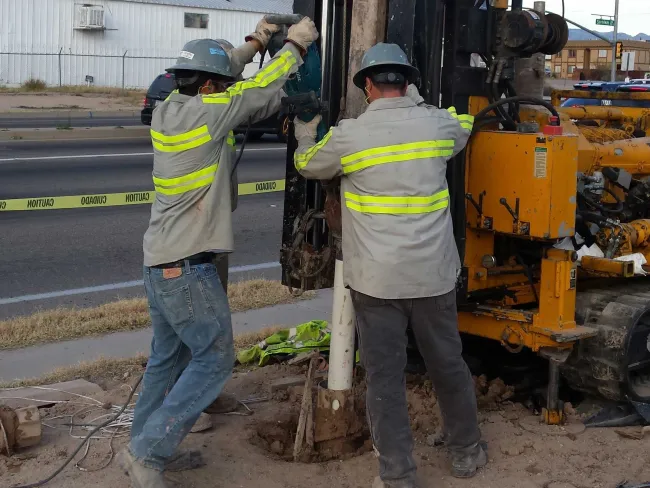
(529, 72)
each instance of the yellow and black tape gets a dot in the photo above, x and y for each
(117, 199)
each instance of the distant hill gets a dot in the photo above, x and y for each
(580, 35)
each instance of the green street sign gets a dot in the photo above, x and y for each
(605, 22)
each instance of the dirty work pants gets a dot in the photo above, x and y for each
(192, 356)
(381, 325)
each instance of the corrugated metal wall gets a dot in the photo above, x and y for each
(38, 40)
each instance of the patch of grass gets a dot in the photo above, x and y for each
(34, 85)
(70, 323)
(99, 370)
(94, 371)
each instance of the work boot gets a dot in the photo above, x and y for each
(225, 403)
(140, 475)
(379, 483)
(185, 460)
(465, 462)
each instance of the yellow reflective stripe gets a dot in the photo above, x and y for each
(373, 209)
(466, 121)
(270, 73)
(302, 160)
(173, 92)
(222, 99)
(445, 143)
(417, 200)
(185, 188)
(196, 175)
(397, 158)
(452, 111)
(181, 147)
(184, 137)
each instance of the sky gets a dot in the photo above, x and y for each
(633, 15)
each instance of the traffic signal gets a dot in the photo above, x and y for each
(619, 50)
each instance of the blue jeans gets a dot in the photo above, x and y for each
(192, 356)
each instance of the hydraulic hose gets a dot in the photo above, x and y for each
(517, 99)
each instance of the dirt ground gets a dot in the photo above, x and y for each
(523, 453)
(43, 102)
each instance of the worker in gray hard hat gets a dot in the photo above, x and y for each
(400, 257)
(239, 58)
(192, 352)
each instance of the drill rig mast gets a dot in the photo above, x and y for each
(514, 191)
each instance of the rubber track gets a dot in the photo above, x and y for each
(597, 365)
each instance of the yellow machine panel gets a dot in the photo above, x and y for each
(523, 184)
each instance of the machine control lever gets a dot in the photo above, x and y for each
(515, 212)
(477, 205)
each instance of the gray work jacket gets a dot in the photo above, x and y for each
(398, 240)
(193, 161)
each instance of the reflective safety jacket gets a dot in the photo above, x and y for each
(398, 239)
(193, 161)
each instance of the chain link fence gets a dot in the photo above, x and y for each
(64, 68)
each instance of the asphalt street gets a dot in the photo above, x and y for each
(91, 120)
(49, 257)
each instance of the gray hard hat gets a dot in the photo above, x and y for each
(205, 55)
(387, 56)
(226, 45)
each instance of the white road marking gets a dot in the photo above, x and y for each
(117, 286)
(120, 155)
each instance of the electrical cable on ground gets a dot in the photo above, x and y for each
(85, 440)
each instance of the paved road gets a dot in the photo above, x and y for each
(46, 252)
(92, 120)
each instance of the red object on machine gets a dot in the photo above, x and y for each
(553, 128)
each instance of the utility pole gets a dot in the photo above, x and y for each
(614, 40)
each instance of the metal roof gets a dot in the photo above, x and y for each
(264, 6)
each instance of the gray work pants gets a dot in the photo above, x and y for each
(382, 325)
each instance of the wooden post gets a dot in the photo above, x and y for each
(368, 28)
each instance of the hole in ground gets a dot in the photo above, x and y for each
(277, 437)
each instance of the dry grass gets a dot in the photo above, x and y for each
(32, 86)
(71, 323)
(94, 371)
(106, 368)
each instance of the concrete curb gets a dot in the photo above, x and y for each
(76, 133)
(73, 114)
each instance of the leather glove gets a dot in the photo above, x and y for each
(305, 132)
(263, 32)
(413, 93)
(303, 33)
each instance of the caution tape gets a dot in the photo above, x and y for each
(117, 199)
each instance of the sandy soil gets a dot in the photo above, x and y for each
(523, 453)
(37, 103)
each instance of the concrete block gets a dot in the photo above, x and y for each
(45, 394)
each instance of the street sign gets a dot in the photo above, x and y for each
(609, 22)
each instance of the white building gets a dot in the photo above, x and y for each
(114, 42)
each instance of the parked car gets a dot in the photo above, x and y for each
(620, 87)
(163, 85)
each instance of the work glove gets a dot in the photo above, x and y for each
(303, 34)
(305, 132)
(413, 93)
(263, 32)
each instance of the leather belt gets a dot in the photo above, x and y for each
(202, 258)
